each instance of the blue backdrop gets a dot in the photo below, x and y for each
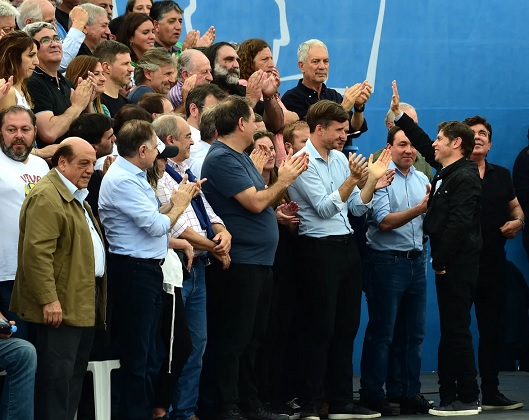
(452, 59)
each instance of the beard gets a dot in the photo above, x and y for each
(230, 77)
(12, 154)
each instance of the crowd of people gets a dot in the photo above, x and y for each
(163, 205)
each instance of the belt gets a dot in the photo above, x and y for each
(153, 261)
(409, 255)
(204, 258)
(340, 239)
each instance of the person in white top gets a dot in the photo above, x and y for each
(18, 59)
(199, 99)
(20, 170)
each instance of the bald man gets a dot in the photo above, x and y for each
(60, 282)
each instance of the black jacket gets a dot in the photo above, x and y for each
(453, 218)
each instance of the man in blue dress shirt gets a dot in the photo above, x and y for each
(333, 277)
(136, 230)
(395, 287)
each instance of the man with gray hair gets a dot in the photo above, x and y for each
(105, 4)
(55, 105)
(32, 11)
(313, 61)
(96, 28)
(194, 68)
(7, 18)
(420, 163)
(154, 72)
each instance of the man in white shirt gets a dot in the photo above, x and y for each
(20, 170)
(200, 98)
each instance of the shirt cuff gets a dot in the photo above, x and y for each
(337, 200)
(397, 117)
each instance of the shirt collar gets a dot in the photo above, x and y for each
(79, 195)
(309, 90)
(130, 167)
(181, 167)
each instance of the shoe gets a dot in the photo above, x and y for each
(382, 406)
(309, 412)
(499, 402)
(293, 409)
(416, 404)
(265, 413)
(456, 408)
(353, 410)
(232, 414)
(283, 409)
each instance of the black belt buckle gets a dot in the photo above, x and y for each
(411, 255)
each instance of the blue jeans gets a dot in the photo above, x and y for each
(395, 289)
(19, 359)
(6, 290)
(194, 299)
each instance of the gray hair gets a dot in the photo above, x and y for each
(185, 62)
(304, 47)
(7, 10)
(94, 12)
(30, 9)
(34, 28)
(390, 116)
(152, 60)
(165, 126)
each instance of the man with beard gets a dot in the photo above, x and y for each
(154, 73)
(261, 89)
(20, 170)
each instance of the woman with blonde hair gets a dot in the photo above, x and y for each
(80, 67)
(18, 59)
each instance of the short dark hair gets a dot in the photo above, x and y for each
(324, 113)
(288, 131)
(207, 125)
(130, 112)
(107, 51)
(65, 150)
(132, 135)
(229, 112)
(15, 109)
(392, 132)
(478, 119)
(454, 129)
(152, 102)
(258, 117)
(90, 127)
(160, 8)
(198, 95)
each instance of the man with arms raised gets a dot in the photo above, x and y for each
(452, 222)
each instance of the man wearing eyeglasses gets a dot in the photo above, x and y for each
(55, 105)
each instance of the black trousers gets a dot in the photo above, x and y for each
(490, 305)
(456, 363)
(243, 304)
(62, 357)
(331, 302)
(182, 347)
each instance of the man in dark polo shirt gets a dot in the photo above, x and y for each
(115, 60)
(54, 103)
(313, 61)
(236, 191)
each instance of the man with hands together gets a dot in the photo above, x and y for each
(332, 268)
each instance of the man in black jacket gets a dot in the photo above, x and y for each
(453, 225)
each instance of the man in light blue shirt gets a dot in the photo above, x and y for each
(136, 230)
(395, 287)
(333, 271)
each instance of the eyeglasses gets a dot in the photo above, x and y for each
(45, 40)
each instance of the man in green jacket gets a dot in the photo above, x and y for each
(60, 282)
